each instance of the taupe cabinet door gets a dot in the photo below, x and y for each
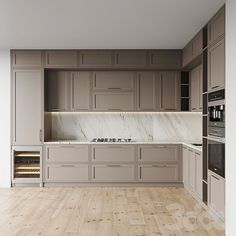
(27, 107)
(130, 59)
(196, 88)
(27, 59)
(146, 94)
(113, 80)
(192, 170)
(57, 90)
(165, 59)
(170, 91)
(186, 171)
(95, 59)
(216, 66)
(198, 163)
(80, 91)
(61, 59)
(216, 27)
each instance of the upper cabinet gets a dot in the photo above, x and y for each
(165, 59)
(216, 66)
(95, 59)
(216, 27)
(169, 91)
(130, 59)
(193, 49)
(146, 91)
(27, 59)
(196, 88)
(61, 59)
(27, 107)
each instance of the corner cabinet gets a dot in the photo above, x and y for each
(27, 107)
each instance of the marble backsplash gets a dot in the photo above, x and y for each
(138, 126)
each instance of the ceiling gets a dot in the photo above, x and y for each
(102, 24)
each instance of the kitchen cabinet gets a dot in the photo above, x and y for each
(216, 66)
(146, 91)
(113, 80)
(216, 194)
(26, 59)
(64, 173)
(169, 94)
(159, 173)
(113, 101)
(27, 107)
(216, 27)
(192, 171)
(57, 91)
(113, 153)
(95, 59)
(159, 153)
(130, 59)
(165, 59)
(61, 59)
(80, 91)
(113, 172)
(187, 53)
(196, 88)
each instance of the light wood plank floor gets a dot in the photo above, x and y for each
(103, 211)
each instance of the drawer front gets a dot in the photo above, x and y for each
(159, 153)
(94, 59)
(67, 154)
(27, 59)
(61, 59)
(113, 101)
(159, 173)
(113, 173)
(113, 80)
(114, 153)
(67, 173)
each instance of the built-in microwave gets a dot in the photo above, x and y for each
(216, 157)
(216, 113)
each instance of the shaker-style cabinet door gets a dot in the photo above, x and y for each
(192, 170)
(27, 107)
(186, 171)
(80, 91)
(146, 94)
(169, 91)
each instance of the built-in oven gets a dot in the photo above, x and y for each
(216, 113)
(216, 157)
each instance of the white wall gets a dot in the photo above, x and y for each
(5, 144)
(230, 117)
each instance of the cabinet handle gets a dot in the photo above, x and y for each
(82, 59)
(114, 88)
(114, 109)
(139, 89)
(113, 165)
(140, 172)
(151, 59)
(94, 172)
(159, 166)
(73, 92)
(161, 92)
(40, 135)
(215, 177)
(67, 165)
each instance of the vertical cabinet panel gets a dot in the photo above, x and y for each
(169, 96)
(27, 59)
(198, 187)
(80, 91)
(27, 107)
(146, 94)
(61, 59)
(192, 171)
(187, 54)
(186, 171)
(57, 90)
(197, 44)
(216, 66)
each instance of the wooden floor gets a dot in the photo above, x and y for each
(103, 211)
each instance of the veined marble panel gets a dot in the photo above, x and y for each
(138, 126)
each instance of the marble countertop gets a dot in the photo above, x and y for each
(138, 142)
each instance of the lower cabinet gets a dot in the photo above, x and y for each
(159, 173)
(67, 173)
(113, 173)
(216, 194)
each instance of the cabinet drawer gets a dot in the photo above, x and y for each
(130, 59)
(61, 59)
(160, 153)
(113, 101)
(159, 173)
(27, 59)
(113, 173)
(113, 80)
(95, 59)
(67, 173)
(67, 154)
(114, 153)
